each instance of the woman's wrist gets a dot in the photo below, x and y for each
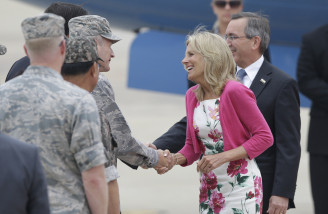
(179, 159)
(175, 159)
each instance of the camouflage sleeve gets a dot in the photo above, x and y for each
(85, 143)
(127, 148)
(111, 173)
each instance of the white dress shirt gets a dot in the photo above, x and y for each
(251, 71)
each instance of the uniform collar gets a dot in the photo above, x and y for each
(42, 71)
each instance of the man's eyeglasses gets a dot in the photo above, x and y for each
(231, 37)
(232, 4)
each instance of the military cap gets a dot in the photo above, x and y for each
(3, 49)
(43, 26)
(81, 49)
(91, 25)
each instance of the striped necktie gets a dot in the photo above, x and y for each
(241, 74)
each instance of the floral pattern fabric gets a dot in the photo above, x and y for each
(234, 187)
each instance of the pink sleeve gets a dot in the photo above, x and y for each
(188, 150)
(244, 103)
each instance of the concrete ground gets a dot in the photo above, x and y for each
(149, 114)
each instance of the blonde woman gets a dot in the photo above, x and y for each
(224, 126)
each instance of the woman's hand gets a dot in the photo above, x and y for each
(210, 162)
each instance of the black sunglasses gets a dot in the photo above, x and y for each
(232, 4)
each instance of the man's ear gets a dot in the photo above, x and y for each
(256, 42)
(63, 47)
(25, 50)
(93, 70)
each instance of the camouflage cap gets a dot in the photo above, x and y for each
(91, 25)
(3, 49)
(81, 49)
(43, 26)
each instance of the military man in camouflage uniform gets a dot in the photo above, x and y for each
(116, 134)
(81, 63)
(41, 108)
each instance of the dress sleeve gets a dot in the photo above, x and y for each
(259, 134)
(188, 150)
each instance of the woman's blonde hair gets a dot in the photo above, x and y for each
(219, 65)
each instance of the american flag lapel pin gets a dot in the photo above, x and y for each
(263, 81)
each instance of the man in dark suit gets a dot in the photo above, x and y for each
(277, 98)
(22, 182)
(312, 74)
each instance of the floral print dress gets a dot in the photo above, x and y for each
(234, 187)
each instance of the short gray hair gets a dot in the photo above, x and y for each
(257, 25)
(43, 46)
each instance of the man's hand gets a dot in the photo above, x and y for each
(172, 159)
(150, 145)
(278, 205)
(162, 170)
(164, 158)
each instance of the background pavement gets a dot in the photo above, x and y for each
(149, 114)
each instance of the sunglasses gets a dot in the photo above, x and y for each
(232, 4)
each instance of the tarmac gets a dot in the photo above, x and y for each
(149, 115)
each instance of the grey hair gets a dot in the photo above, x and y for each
(257, 25)
(99, 40)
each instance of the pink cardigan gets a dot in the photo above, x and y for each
(241, 120)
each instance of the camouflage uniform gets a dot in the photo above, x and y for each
(116, 134)
(41, 108)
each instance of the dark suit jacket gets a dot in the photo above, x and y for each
(23, 187)
(312, 74)
(278, 100)
(18, 68)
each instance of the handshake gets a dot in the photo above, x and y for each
(166, 160)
